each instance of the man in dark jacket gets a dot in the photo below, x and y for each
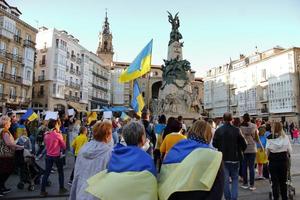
(149, 130)
(230, 141)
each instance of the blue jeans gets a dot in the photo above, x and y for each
(49, 164)
(32, 140)
(231, 170)
(249, 162)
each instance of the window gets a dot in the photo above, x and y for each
(13, 71)
(71, 66)
(41, 89)
(263, 75)
(18, 32)
(15, 51)
(12, 92)
(2, 46)
(77, 69)
(55, 73)
(43, 59)
(28, 74)
(24, 93)
(70, 93)
(43, 73)
(2, 68)
(1, 89)
(76, 93)
(28, 37)
(80, 95)
(54, 88)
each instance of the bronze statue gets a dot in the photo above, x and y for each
(175, 35)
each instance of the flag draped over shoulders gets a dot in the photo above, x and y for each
(131, 174)
(188, 166)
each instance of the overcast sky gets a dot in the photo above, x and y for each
(212, 30)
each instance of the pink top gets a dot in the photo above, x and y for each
(295, 133)
(54, 143)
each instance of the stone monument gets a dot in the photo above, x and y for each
(177, 96)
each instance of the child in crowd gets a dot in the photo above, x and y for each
(261, 156)
(295, 135)
(77, 143)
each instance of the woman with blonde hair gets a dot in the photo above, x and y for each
(278, 148)
(7, 151)
(95, 155)
(189, 161)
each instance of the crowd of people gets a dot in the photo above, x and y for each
(149, 158)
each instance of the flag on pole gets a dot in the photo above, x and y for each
(137, 102)
(91, 116)
(29, 115)
(140, 66)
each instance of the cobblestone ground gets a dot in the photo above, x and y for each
(261, 193)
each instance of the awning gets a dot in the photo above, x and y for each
(78, 107)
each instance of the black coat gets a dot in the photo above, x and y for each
(229, 140)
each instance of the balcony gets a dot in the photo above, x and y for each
(41, 93)
(72, 98)
(264, 110)
(100, 100)
(12, 98)
(17, 58)
(263, 99)
(2, 97)
(42, 63)
(10, 77)
(73, 58)
(29, 43)
(3, 52)
(41, 78)
(17, 39)
(73, 85)
(78, 60)
(99, 87)
(72, 71)
(100, 76)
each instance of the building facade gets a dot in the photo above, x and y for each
(61, 75)
(17, 59)
(265, 85)
(99, 83)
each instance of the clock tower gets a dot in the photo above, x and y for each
(105, 47)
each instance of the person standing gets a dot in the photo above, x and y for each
(296, 135)
(7, 151)
(159, 129)
(250, 132)
(149, 130)
(291, 128)
(229, 140)
(77, 144)
(54, 143)
(278, 149)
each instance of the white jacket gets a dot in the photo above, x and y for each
(280, 144)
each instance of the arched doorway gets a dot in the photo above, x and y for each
(155, 89)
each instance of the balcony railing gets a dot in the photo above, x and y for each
(73, 58)
(99, 100)
(72, 98)
(264, 110)
(73, 85)
(99, 87)
(41, 93)
(17, 58)
(10, 77)
(78, 61)
(17, 39)
(3, 52)
(41, 78)
(42, 63)
(72, 71)
(100, 76)
(29, 43)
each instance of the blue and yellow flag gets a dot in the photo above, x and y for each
(140, 66)
(91, 116)
(124, 116)
(29, 115)
(188, 166)
(131, 174)
(137, 102)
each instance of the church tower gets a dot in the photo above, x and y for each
(105, 47)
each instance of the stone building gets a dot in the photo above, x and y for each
(265, 85)
(17, 59)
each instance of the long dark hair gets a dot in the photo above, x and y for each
(246, 119)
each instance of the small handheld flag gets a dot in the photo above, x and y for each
(140, 66)
(29, 115)
(137, 102)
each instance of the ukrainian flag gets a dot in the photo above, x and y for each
(188, 166)
(140, 66)
(91, 116)
(29, 115)
(131, 174)
(137, 102)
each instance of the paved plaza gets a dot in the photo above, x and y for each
(261, 193)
